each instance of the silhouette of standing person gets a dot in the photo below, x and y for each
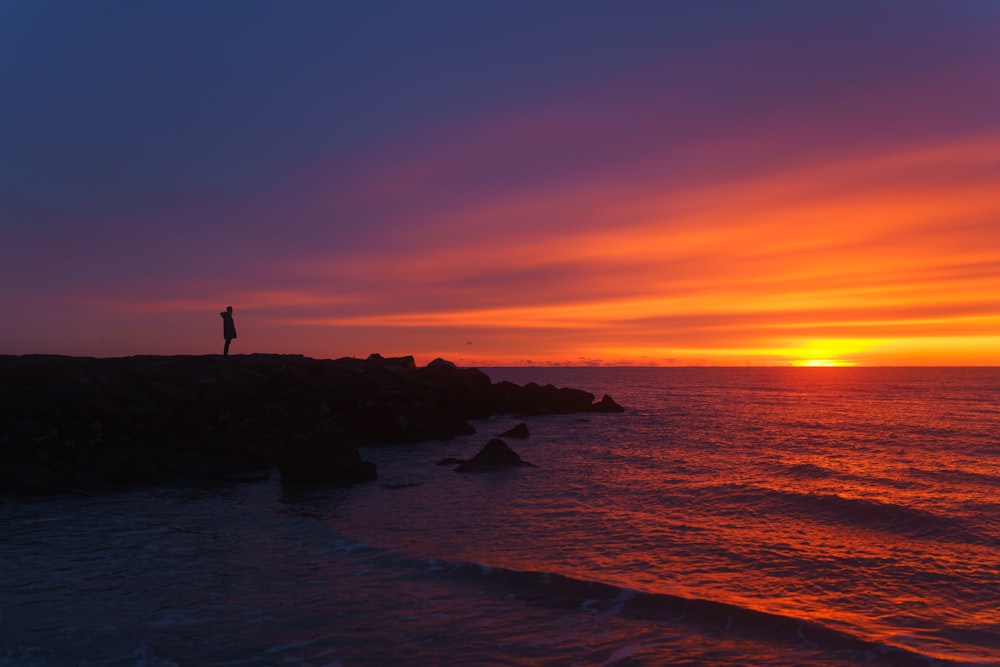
(228, 328)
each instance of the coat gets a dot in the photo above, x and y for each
(228, 327)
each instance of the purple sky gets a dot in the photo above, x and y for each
(553, 181)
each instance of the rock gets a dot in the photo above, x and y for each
(81, 423)
(317, 467)
(124, 464)
(496, 455)
(535, 399)
(395, 421)
(407, 362)
(519, 431)
(246, 477)
(606, 404)
(30, 479)
(209, 463)
(466, 390)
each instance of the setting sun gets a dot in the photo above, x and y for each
(823, 363)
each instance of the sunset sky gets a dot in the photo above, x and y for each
(504, 183)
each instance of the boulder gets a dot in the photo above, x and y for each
(535, 399)
(495, 455)
(606, 404)
(406, 362)
(519, 431)
(209, 463)
(314, 467)
(30, 479)
(440, 363)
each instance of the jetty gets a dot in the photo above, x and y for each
(90, 424)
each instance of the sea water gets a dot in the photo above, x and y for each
(793, 516)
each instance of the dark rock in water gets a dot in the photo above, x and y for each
(535, 399)
(519, 431)
(496, 455)
(606, 404)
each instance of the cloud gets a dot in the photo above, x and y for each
(882, 242)
(730, 200)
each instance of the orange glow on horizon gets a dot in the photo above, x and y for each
(749, 194)
(892, 253)
(884, 259)
(823, 363)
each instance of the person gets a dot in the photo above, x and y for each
(228, 328)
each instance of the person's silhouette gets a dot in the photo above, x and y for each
(228, 328)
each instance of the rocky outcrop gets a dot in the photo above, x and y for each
(606, 404)
(535, 399)
(495, 455)
(92, 424)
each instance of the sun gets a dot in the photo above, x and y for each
(828, 352)
(823, 363)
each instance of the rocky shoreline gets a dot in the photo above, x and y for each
(89, 425)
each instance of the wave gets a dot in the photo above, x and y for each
(965, 478)
(702, 616)
(810, 471)
(855, 512)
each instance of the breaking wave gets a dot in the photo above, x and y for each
(701, 616)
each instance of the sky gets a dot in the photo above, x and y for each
(701, 182)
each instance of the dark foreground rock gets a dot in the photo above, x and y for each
(318, 466)
(496, 455)
(80, 423)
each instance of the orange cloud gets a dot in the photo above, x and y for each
(876, 255)
(889, 252)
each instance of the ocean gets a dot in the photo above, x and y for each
(750, 516)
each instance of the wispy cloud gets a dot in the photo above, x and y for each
(753, 199)
(880, 243)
